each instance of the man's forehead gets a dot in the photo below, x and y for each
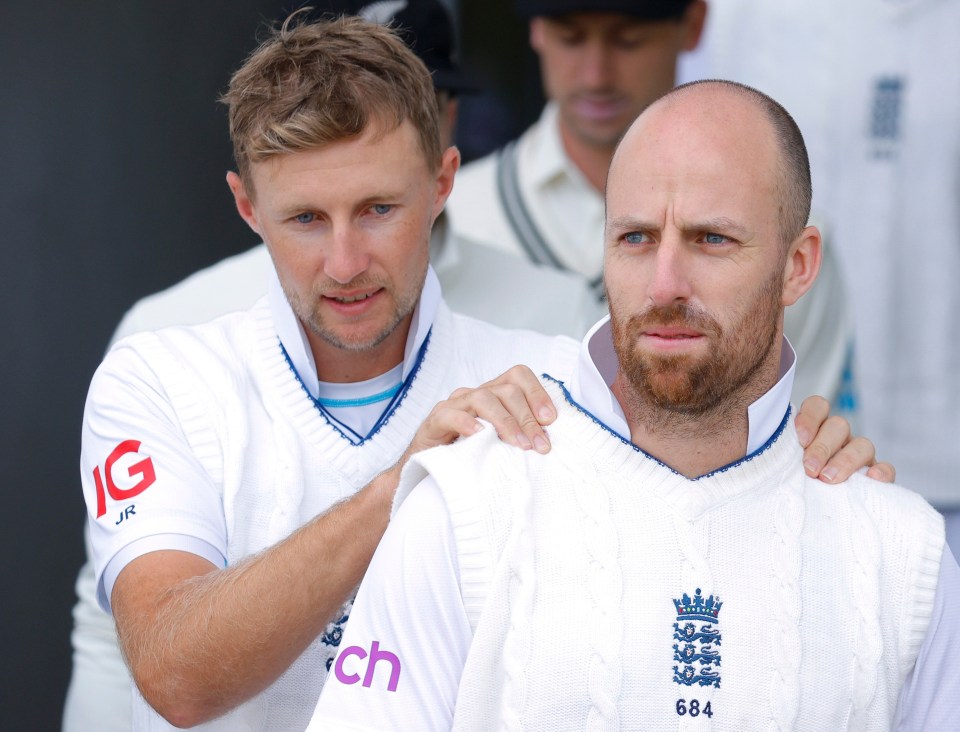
(388, 155)
(609, 26)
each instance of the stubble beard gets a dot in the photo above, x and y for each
(313, 319)
(672, 389)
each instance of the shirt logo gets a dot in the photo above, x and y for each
(142, 469)
(886, 116)
(373, 658)
(697, 637)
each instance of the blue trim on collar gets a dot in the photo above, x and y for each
(362, 401)
(756, 453)
(357, 440)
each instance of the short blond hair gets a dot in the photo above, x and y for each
(310, 84)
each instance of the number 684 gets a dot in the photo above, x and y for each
(693, 708)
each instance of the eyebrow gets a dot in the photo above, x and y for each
(719, 224)
(382, 196)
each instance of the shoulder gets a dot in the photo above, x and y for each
(234, 283)
(890, 500)
(217, 352)
(884, 519)
(473, 470)
(492, 349)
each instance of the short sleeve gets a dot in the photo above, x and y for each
(140, 478)
(929, 695)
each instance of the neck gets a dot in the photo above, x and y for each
(694, 444)
(338, 365)
(592, 160)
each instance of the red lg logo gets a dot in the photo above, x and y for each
(143, 468)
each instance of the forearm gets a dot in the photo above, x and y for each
(200, 644)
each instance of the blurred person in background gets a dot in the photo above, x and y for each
(541, 197)
(875, 87)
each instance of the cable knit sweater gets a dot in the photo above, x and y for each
(262, 453)
(606, 591)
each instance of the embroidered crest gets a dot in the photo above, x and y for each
(333, 633)
(697, 637)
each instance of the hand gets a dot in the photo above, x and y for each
(830, 454)
(515, 403)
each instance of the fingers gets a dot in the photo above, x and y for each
(515, 403)
(884, 472)
(830, 454)
(825, 458)
(813, 413)
(538, 402)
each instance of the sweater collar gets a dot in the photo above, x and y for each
(294, 339)
(597, 368)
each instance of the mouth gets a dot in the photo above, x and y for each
(351, 298)
(352, 304)
(672, 333)
(668, 339)
(599, 109)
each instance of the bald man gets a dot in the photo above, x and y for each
(669, 562)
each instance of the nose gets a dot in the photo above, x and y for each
(596, 65)
(671, 275)
(346, 257)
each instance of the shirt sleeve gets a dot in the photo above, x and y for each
(140, 477)
(403, 652)
(928, 700)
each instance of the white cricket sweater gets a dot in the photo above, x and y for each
(267, 454)
(589, 576)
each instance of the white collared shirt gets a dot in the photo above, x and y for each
(567, 210)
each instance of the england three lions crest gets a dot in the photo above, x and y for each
(697, 636)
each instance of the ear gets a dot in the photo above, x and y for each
(243, 201)
(802, 265)
(449, 165)
(694, 19)
(448, 121)
(536, 34)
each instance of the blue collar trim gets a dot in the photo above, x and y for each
(351, 435)
(362, 401)
(756, 453)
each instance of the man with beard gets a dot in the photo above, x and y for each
(668, 560)
(541, 197)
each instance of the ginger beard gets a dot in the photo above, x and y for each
(359, 336)
(688, 385)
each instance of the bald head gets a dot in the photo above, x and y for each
(739, 124)
(705, 245)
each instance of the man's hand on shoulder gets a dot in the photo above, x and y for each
(515, 403)
(830, 452)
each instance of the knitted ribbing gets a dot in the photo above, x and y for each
(605, 588)
(869, 644)
(785, 564)
(521, 593)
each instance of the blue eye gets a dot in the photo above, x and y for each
(382, 209)
(305, 218)
(715, 239)
(635, 237)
